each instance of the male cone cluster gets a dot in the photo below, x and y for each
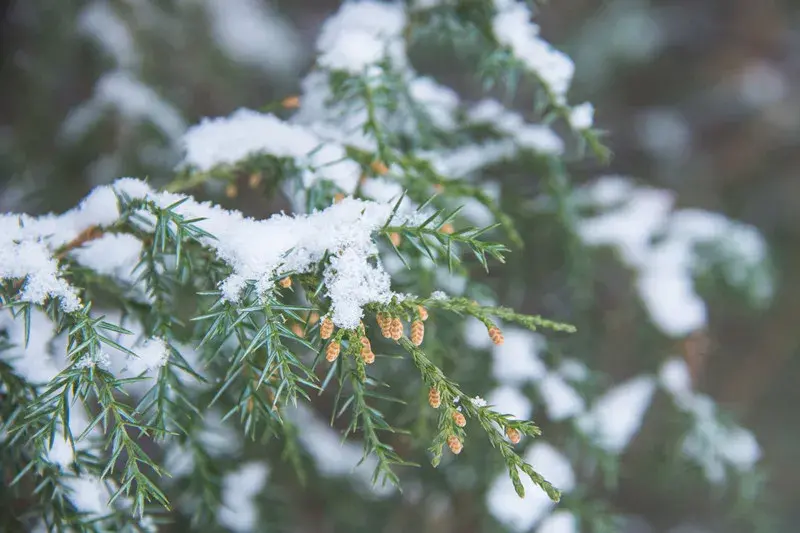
(434, 398)
(455, 444)
(496, 335)
(366, 351)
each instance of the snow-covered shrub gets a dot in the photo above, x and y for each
(150, 338)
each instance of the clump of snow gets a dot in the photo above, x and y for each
(710, 443)
(666, 269)
(252, 32)
(238, 511)
(333, 456)
(521, 514)
(89, 495)
(510, 401)
(152, 354)
(512, 27)
(616, 417)
(134, 100)
(573, 370)
(675, 377)
(581, 117)
(561, 400)
(254, 248)
(517, 359)
(114, 254)
(99, 21)
(360, 34)
(535, 137)
(559, 522)
(227, 140)
(439, 101)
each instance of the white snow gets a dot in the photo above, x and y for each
(581, 117)
(227, 140)
(509, 400)
(99, 21)
(253, 33)
(666, 269)
(675, 377)
(152, 354)
(615, 418)
(517, 359)
(238, 511)
(512, 27)
(361, 34)
(560, 399)
(559, 522)
(255, 249)
(335, 457)
(134, 100)
(521, 514)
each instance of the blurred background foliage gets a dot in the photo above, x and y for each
(698, 96)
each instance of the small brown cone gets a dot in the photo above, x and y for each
(459, 419)
(379, 167)
(395, 238)
(291, 102)
(286, 282)
(313, 318)
(332, 352)
(366, 351)
(396, 329)
(417, 332)
(423, 313)
(326, 329)
(447, 228)
(231, 190)
(434, 398)
(384, 322)
(338, 197)
(455, 444)
(513, 435)
(254, 180)
(496, 335)
(297, 329)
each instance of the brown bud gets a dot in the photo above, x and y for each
(326, 329)
(286, 282)
(455, 444)
(254, 180)
(291, 102)
(338, 197)
(447, 228)
(496, 335)
(313, 318)
(513, 435)
(423, 313)
(417, 332)
(395, 238)
(459, 419)
(385, 323)
(332, 352)
(396, 329)
(434, 398)
(231, 190)
(250, 405)
(438, 187)
(366, 351)
(297, 329)
(379, 167)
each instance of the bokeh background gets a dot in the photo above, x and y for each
(701, 97)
